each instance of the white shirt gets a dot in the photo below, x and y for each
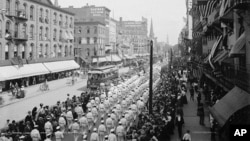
(187, 137)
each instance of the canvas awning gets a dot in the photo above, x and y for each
(113, 58)
(233, 101)
(100, 59)
(238, 47)
(27, 70)
(61, 66)
(71, 37)
(221, 56)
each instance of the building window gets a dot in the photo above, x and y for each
(16, 30)
(71, 23)
(41, 15)
(41, 33)
(66, 51)
(66, 22)
(60, 22)
(60, 36)
(95, 40)
(7, 28)
(40, 51)
(88, 30)
(46, 33)
(24, 30)
(32, 13)
(54, 35)
(1, 32)
(47, 17)
(25, 10)
(46, 51)
(88, 52)
(17, 8)
(80, 40)
(8, 6)
(95, 30)
(60, 51)
(6, 51)
(22, 51)
(88, 40)
(15, 50)
(31, 50)
(80, 30)
(55, 18)
(32, 32)
(70, 51)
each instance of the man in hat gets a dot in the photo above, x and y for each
(102, 131)
(48, 127)
(112, 136)
(69, 117)
(75, 128)
(90, 119)
(79, 110)
(109, 123)
(94, 135)
(94, 112)
(34, 134)
(124, 122)
(101, 109)
(62, 123)
(85, 137)
(58, 134)
(120, 132)
(83, 124)
(106, 138)
(106, 105)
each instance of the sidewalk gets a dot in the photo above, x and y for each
(33, 90)
(198, 132)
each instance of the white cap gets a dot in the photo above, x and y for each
(94, 129)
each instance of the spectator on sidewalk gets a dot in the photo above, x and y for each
(199, 98)
(179, 123)
(186, 136)
(200, 113)
(191, 93)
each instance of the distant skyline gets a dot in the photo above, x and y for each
(167, 15)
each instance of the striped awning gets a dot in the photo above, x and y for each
(238, 47)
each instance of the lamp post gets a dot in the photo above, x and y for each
(151, 78)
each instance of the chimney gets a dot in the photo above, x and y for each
(120, 19)
(56, 3)
(71, 6)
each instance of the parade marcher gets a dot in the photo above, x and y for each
(35, 134)
(83, 124)
(69, 117)
(101, 109)
(94, 112)
(120, 132)
(124, 122)
(90, 119)
(109, 124)
(79, 110)
(114, 118)
(75, 128)
(112, 136)
(62, 123)
(102, 131)
(107, 105)
(58, 134)
(48, 127)
(179, 123)
(94, 135)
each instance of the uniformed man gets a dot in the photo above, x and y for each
(94, 112)
(69, 117)
(109, 123)
(83, 124)
(48, 127)
(85, 137)
(94, 135)
(48, 137)
(79, 110)
(75, 128)
(35, 134)
(112, 136)
(114, 118)
(89, 106)
(101, 109)
(106, 105)
(106, 138)
(58, 134)
(62, 123)
(102, 131)
(124, 122)
(97, 100)
(90, 119)
(120, 132)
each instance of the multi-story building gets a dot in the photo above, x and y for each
(134, 32)
(220, 50)
(34, 32)
(112, 34)
(90, 42)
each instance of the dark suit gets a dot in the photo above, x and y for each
(179, 123)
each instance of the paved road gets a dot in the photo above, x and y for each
(18, 110)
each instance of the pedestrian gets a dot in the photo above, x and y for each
(191, 93)
(75, 128)
(200, 113)
(186, 136)
(179, 123)
(59, 134)
(102, 131)
(199, 98)
(94, 135)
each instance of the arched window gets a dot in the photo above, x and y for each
(25, 10)
(54, 51)
(47, 16)
(41, 33)
(61, 20)
(80, 29)
(55, 18)
(22, 51)
(17, 8)
(7, 51)
(46, 51)
(88, 52)
(8, 27)
(15, 50)
(66, 21)
(1, 32)
(46, 33)
(88, 30)
(24, 30)
(41, 15)
(16, 30)
(60, 36)
(95, 40)
(70, 50)
(32, 12)
(54, 35)
(7, 6)
(40, 51)
(66, 51)
(32, 32)
(60, 51)
(71, 23)
(31, 50)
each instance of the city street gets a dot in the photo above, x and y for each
(18, 110)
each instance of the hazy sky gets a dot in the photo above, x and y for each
(167, 15)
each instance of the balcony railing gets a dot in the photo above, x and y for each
(229, 74)
(16, 36)
(18, 14)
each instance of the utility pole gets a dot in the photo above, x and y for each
(151, 78)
